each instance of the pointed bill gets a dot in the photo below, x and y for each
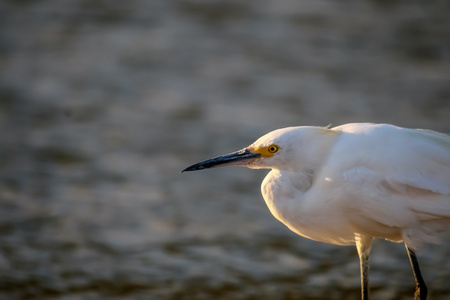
(241, 157)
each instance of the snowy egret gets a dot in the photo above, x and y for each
(353, 183)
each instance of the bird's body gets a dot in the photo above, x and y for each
(375, 180)
(355, 182)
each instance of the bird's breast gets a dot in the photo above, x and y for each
(313, 218)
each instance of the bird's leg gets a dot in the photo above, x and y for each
(363, 245)
(364, 266)
(421, 288)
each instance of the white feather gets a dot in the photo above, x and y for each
(374, 180)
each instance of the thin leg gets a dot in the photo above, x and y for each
(363, 245)
(421, 288)
(364, 266)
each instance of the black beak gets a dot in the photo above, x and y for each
(235, 158)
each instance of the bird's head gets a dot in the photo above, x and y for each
(280, 149)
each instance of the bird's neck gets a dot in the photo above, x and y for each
(282, 190)
(287, 190)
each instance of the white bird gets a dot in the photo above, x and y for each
(353, 183)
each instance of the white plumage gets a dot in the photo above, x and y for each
(375, 180)
(355, 182)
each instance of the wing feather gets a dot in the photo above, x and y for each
(425, 163)
(403, 183)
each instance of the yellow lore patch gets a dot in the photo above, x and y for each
(267, 151)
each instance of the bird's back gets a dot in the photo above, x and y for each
(392, 178)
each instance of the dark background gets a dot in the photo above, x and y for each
(102, 103)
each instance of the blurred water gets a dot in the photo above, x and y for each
(102, 103)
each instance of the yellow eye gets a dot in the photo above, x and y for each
(272, 148)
